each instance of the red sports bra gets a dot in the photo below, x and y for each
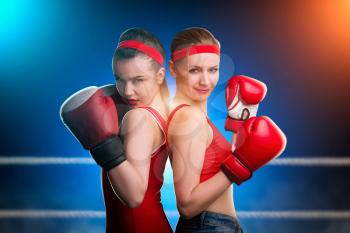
(216, 152)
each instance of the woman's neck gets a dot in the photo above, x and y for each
(159, 105)
(180, 98)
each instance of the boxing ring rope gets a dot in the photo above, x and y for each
(24, 160)
(302, 215)
(293, 214)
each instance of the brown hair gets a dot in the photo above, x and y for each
(145, 37)
(140, 35)
(193, 36)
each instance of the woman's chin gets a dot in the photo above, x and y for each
(201, 98)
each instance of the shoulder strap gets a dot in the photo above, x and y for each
(171, 116)
(161, 123)
(160, 120)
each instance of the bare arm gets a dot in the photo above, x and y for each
(129, 180)
(188, 138)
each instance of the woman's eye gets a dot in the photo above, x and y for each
(137, 81)
(213, 70)
(193, 71)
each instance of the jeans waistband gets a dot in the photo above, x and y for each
(210, 216)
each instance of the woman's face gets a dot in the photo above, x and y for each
(137, 80)
(197, 75)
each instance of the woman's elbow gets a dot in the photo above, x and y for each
(186, 211)
(134, 201)
(136, 198)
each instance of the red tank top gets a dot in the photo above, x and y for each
(149, 217)
(216, 152)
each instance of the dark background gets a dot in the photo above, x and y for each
(300, 49)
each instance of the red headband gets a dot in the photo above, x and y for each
(181, 53)
(146, 49)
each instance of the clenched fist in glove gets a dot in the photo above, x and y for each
(92, 117)
(243, 95)
(259, 140)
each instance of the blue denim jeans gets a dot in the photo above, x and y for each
(209, 222)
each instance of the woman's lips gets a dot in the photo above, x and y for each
(132, 101)
(203, 91)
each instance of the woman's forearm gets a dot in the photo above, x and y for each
(203, 195)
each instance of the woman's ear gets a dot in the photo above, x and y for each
(172, 68)
(160, 75)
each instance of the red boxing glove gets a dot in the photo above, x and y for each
(93, 119)
(243, 95)
(259, 140)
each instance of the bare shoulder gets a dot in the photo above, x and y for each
(187, 121)
(189, 114)
(135, 119)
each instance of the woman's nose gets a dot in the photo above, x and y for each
(129, 91)
(204, 79)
